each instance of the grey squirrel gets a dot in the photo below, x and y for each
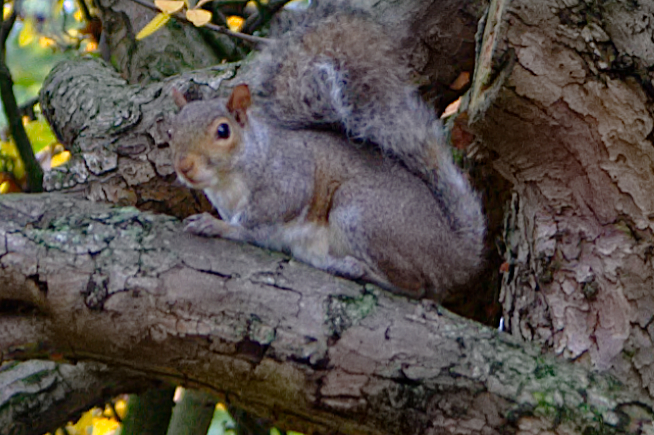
(280, 166)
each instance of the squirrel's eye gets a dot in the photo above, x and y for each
(223, 130)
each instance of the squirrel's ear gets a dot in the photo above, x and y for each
(239, 102)
(179, 98)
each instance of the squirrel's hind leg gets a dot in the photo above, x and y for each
(354, 268)
(363, 233)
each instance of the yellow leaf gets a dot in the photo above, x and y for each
(9, 149)
(19, 169)
(104, 426)
(4, 187)
(6, 11)
(251, 7)
(90, 46)
(157, 23)
(85, 421)
(57, 8)
(44, 42)
(40, 134)
(121, 407)
(235, 23)
(199, 17)
(107, 411)
(169, 6)
(78, 15)
(27, 33)
(59, 159)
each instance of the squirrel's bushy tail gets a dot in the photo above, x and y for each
(341, 70)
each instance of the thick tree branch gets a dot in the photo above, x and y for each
(118, 135)
(291, 343)
(39, 396)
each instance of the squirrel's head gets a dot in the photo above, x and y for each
(206, 135)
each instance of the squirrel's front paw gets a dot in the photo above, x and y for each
(206, 225)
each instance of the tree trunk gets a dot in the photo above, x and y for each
(562, 97)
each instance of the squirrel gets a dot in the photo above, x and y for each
(334, 158)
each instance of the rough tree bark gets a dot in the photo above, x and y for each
(562, 98)
(292, 344)
(38, 396)
(308, 350)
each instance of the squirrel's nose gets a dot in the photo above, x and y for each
(185, 165)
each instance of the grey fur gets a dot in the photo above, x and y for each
(409, 222)
(383, 224)
(340, 70)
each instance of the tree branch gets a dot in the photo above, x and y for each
(32, 168)
(288, 342)
(86, 13)
(223, 30)
(38, 396)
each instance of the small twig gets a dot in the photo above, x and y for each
(85, 10)
(7, 25)
(180, 17)
(230, 2)
(32, 167)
